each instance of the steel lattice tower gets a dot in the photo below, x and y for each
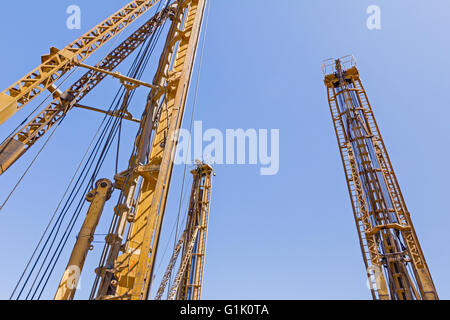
(127, 261)
(198, 216)
(390, 247)
(188, 281)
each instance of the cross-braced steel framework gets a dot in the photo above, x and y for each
(188, 281)
(391, 250)
(191, 280)
(145, 184)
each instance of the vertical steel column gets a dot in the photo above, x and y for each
(97, 198)
(145, 184)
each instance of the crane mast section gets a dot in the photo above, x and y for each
(164, 113)
(59, 62)
(189, 278)
(24, 138)
(191, 282)
(387, 237)
(97, 198)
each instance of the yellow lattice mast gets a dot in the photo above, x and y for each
(126, 270)
(145, 184)
(191, 282)
(391, 250)
(188, 281)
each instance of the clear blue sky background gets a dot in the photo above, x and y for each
(289, 236)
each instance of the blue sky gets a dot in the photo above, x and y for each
(288, 236)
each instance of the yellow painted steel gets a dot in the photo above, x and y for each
(24, 138)
(97, 198)
(58, 62)
(388, 240)
(117, 75)
(188, 281)
(145, 184)
(191, 283)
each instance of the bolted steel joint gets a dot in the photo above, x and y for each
(105, 184)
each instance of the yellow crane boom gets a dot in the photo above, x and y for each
(24, 138)
(58, 62)
(128, 270)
